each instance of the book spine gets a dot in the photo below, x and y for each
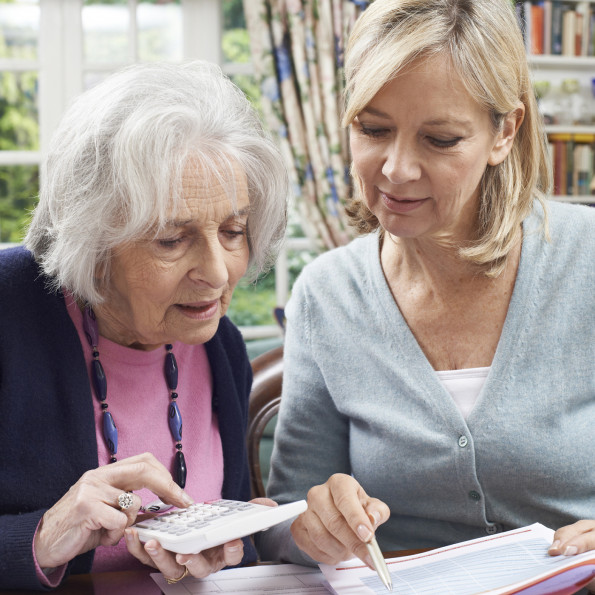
(537, 29)
(569, 167)
(528, 26)
(578, 34)
(547, 27)
(568, 32)
(584, 10)
(557, 12)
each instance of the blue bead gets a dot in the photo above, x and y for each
(110, 432)
(90, 326)
(180, 469)
(99, 379)
(171, 371)
(175, 421)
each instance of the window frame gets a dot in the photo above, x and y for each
(61, 68)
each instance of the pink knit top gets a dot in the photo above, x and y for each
(138, 400)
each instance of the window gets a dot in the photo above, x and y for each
(51, 50)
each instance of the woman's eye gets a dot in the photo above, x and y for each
(373, 131)
(234, 233)
(170, 242)
(444, 143)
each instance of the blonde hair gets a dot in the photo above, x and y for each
(116, 162)
(484, 43)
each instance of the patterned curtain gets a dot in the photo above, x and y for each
(297, 51)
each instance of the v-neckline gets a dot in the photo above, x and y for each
(413, 355)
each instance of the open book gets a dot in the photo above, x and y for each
(513, 562)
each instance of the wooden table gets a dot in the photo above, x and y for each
(130, 582)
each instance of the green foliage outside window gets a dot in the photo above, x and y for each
(253, 304)
(18, 194)
(19, 184)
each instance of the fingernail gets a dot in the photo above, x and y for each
(128, 534)
(555, 545)
(150, 550)
(186, 499)
(181, 560)
(364, 533)
(374, 517)
(234, 548)
(570, 550)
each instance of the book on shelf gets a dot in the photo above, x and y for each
(568, 33)
(583, 11)
(572, 160)
(537, 28)
(557, 27)
(547, 30)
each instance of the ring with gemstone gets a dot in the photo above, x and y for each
(125, 500)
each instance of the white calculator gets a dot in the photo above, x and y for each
(201, 526)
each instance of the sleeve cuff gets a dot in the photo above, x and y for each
(48, 577)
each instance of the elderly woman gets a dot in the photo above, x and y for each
(466, 406)
(159, 192)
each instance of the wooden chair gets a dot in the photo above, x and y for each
(265, 399)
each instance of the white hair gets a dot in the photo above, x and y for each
(115, 164)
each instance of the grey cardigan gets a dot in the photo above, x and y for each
(360, 397)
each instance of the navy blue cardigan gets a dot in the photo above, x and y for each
(47, 431)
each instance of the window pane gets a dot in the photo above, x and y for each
(235, 42)
(19, 128)
(160, 35)
(250, 87)
(252, 305)
(19, 29)
(105, 31)
(92, 78)
(19, 187)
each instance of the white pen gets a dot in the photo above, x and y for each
(379, 563)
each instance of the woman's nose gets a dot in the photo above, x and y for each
(210, 265)
(401, 163)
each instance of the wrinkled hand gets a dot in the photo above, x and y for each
(340, 519)
(575, 539)
(199, 565)
(88, 515)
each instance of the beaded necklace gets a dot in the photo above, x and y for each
(110, 432)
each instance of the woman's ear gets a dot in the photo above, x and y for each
(510, 126)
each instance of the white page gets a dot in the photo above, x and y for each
(272, 579)
(490, 566)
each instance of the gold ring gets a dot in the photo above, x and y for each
(173, 581)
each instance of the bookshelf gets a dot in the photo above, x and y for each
(560, 41)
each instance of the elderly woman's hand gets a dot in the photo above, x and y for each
(200, 565)
(575, 539)
(340, 519)
(88, 515)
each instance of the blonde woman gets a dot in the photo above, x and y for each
(439, 369)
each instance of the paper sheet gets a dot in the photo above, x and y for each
(490, 566)
(272, 579)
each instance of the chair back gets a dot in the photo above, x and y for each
(265, 399)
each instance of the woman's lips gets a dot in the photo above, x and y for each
(199, 310)
(401, 204)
